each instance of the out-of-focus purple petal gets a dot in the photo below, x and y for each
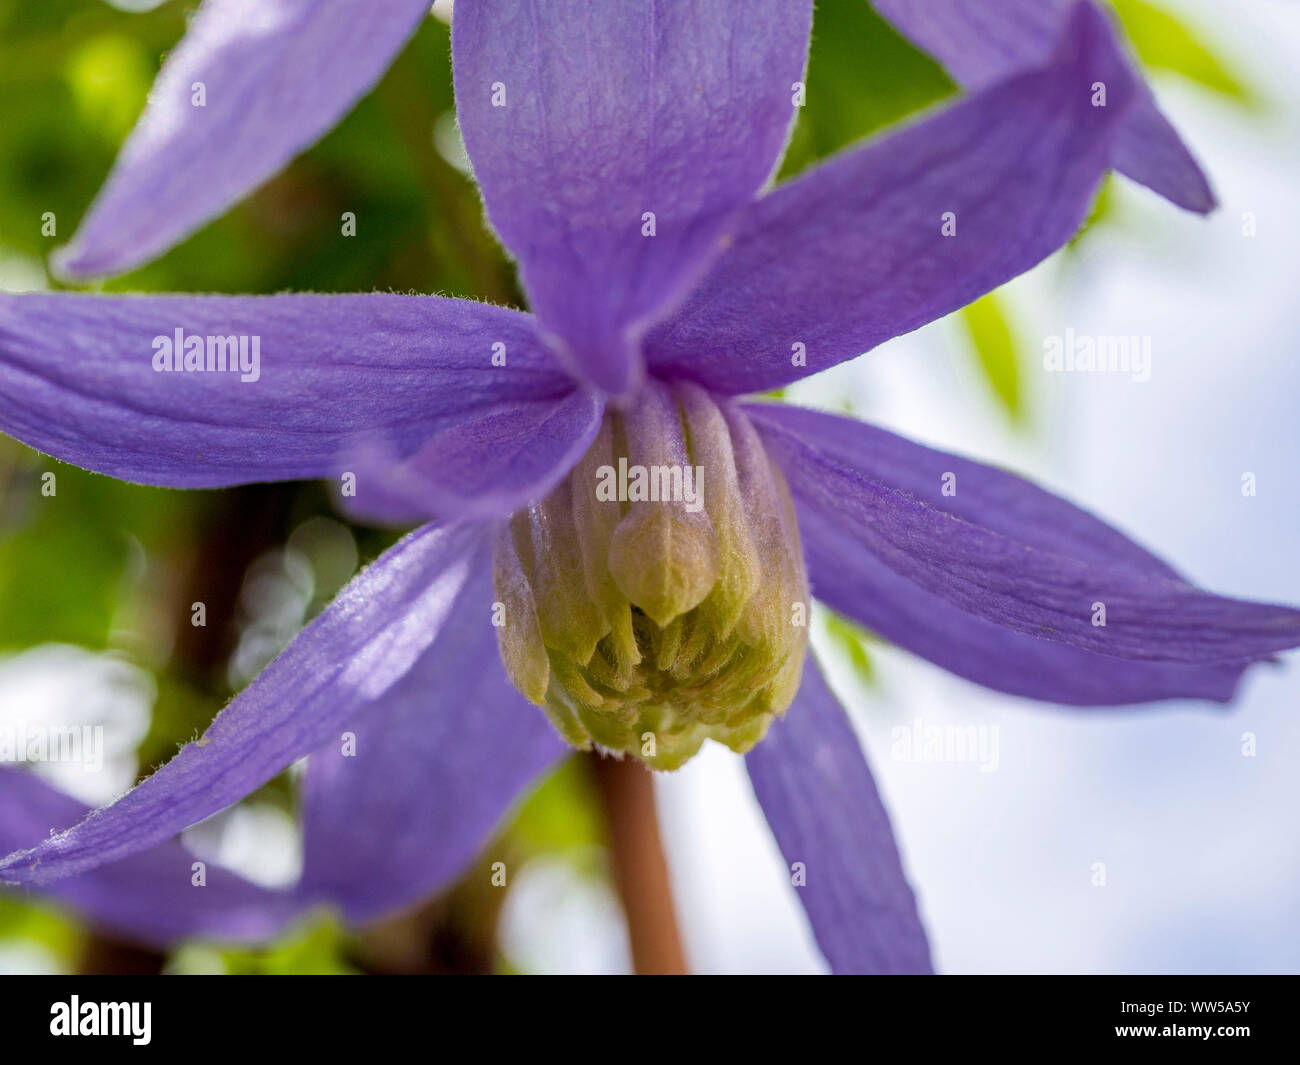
(339, 378)
(484, 466)
(855, 252)
(149, 896)
(1001, 582)
(980, 41)
(349, 660)
(273, 76)
(427, 775)
(1149, 150)
(816, 789)
(581, 119)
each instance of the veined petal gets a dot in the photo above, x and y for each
(272, 77)
(614, 143)
(816, 789)
(148, 896)
(906, 229)
(980, 41)
(1000, 582)
(482, 466)
(428, 774)
(349, 660)
(336, 378)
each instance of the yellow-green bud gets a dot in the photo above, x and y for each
(657, 597)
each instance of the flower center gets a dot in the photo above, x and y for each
(657, 597)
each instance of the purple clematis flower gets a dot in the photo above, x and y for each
(621, 151)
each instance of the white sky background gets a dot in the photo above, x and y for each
(1200, 843)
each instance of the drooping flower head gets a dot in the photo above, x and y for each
(605, 516)
(661, 585)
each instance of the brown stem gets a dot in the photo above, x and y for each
(640, 870)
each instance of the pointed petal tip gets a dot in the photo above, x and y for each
(273, 79)
(85, 259)
(869, 251)
(812, 780)
(66, 263)
(1198, 198)
(1160, 637)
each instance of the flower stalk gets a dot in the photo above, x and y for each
(640, 868)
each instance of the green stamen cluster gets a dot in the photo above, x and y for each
(657, 597)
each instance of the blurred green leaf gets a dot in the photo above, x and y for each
(562, 814)
(862, 76)
(1164, 42)
(317, 949)
(852, 640)
(1105, 211)
(64, 557)
(995, 347)
(40, 923)
(110, 75)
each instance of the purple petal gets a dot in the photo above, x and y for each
(274, 77)
(580, 118)
(148, 896)
(339, 378)
(431, 771)
(853, 253)
(980, 41)
(1000, 583)
(484, 466)
(349, 660)
(815, 786)
(1149, 150)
